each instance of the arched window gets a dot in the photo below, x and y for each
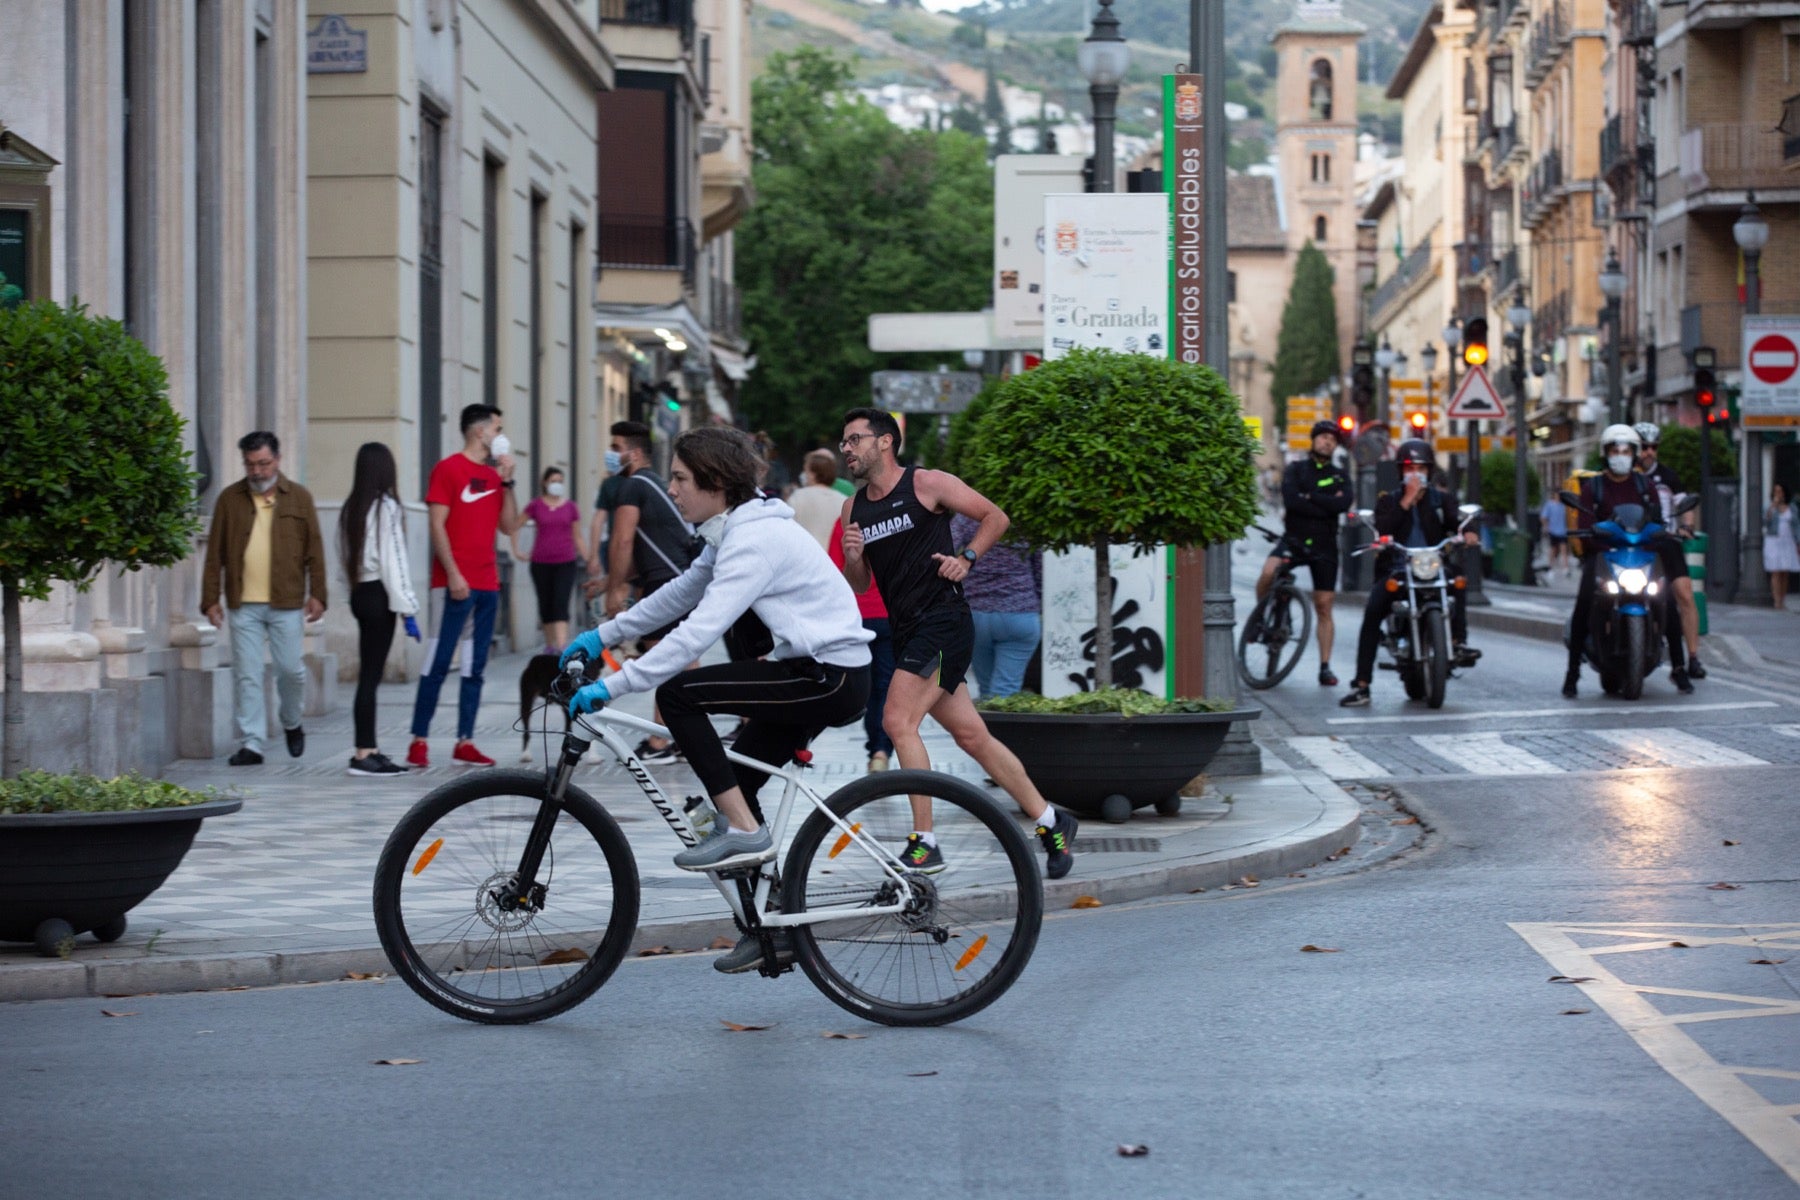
(1318, 230)
(1319, 90)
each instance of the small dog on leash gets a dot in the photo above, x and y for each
(534, 689)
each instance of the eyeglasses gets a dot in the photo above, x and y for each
(850, 442)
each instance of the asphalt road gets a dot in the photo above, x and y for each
(1427, 1055)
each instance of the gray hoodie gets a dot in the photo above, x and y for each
(764, 561)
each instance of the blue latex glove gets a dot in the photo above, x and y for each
(412, 628)
(591, 698)
(586, 644)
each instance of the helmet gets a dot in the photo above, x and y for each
(1620, 435)
(1649, 434)
(1327, 427)
(1416, 451)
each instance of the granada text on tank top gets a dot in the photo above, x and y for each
(899, 537)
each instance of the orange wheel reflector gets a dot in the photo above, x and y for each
(843, 842)
(431, 852)
(972, 953)
(1393, 585)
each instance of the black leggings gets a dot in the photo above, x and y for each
(375, 636)
(788, 702)
(554, 583)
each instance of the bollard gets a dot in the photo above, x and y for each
(1695, 550)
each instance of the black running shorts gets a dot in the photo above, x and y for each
(938, 645)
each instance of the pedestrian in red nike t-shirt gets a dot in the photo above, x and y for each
(471, 500)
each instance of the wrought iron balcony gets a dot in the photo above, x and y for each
(1411, 268)
(1549, 37)
(648, 244)
(1542, 189)
(676, 13)
(1730, 157)
(1506, 269)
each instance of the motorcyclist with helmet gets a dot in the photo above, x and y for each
(1423, 514)
(1315, 494)
(1674, 563)
(1619, 484)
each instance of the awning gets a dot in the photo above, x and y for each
(640, 323)
(736, 366)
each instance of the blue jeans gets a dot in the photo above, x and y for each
(881, 670)
(481, 607)
(1004, 642)
(254, 626)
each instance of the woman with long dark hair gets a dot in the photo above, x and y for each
(372, 536)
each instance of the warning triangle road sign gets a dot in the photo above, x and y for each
(1475, 399)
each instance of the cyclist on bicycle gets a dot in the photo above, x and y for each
(1315, 494)
(756, 556)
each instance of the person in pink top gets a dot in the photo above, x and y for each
(875, 619)
(555, 556)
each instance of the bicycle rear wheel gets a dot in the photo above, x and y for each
(972, 926)
(1272, 656)
(445, 906)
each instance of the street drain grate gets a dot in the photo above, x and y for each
(1118, 845)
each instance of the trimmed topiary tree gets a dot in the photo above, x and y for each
(92, 468)
(1105, 449)
(1306, 350)
(1679, 450)
(1497, 483)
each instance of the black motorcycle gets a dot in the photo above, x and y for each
(1416, 633)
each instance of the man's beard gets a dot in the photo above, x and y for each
(262, 486)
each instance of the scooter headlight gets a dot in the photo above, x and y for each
(1633, 580)
(1425, 564)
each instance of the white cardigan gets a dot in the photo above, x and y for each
(384, 556)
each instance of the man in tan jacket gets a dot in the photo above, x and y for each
(266, 550)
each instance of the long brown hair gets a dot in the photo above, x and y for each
(376, 477)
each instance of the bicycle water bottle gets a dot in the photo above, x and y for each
(701, 814)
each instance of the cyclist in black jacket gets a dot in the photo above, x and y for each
(1315, 494)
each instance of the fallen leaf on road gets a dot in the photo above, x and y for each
(1405, 821)
(1571, 979)
(1756, 962)
(1085, 902)
(1127, 1150)
(736, 1028)
(1680, 946)
(362, 974)
(1248, 881)
(1728, 842)
(1339, 854)
(107, 1012)
(1296, 874)
(556, 958)
(1195, 891)
(398, 1062)
(1309, 948)
(1574, 1012)
(1721, 887)
(920, 1074)
(653, 951)
(721, 943)
(842, 1037)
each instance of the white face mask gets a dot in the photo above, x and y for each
(1415, 479)
(712, 530)
(1619, 464)
(614, 460)
(501, 446)
(554, 489)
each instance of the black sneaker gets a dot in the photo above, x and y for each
(1326, 678)
(1679, 678)
(650, 755)
(1467, 656)
(747, 955)
(245, 757)
(918, 856)
(1059, 842)
(1357, 697)
(296, 742)
(1570, 691)
(378, 766)
(1695, 670)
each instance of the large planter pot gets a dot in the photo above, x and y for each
(67, 873)
(1108, 764)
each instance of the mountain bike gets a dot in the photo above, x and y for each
(510, 896)
(1274, 636)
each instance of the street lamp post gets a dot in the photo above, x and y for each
(1751, 233)
(1104, 58)
(1471, 484)
(1428, 356)
(1518, 316)
(1385, 358)
(1612, 286)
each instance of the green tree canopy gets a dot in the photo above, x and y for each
(1497, 483)
(854, 216)
(1306, 353)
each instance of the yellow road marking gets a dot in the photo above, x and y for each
(1771, 1128)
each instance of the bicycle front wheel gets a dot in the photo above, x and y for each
(466, 935)
(1271, 656)
(971, 926)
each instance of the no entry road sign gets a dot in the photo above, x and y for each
(1770, 382)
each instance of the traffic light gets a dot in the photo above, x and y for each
(1706, 392)
(1416, 421)
(1362, 378)
(1346, 427)
(1474, 341)
(1719, 413)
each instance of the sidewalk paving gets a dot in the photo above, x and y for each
(280, 891)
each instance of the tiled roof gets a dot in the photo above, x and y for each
(1252, 220)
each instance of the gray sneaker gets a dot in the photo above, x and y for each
(747, 955)
(726, 848)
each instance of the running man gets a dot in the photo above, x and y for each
(897, 532)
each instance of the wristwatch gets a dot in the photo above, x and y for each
(968, 552)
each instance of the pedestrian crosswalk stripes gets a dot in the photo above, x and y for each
(1545, 753)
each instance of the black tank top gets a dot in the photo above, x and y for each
(899, 537)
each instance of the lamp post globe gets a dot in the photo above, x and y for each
(1518, 316)
(1612, 277)
(1453, 337)
(1104, 58)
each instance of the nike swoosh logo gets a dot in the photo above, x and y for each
(469, 493)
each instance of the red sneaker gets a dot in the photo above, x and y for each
(466, 752)
(418, 755)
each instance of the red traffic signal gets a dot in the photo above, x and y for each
(1417, 421)
(1347, 424)
(1706, 398)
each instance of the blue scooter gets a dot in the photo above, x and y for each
(1625, 633)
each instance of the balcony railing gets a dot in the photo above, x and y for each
(1504, 136)
(1551, 318)
(727, 309)
(648, 244)
(1733, 156)
(1411, 268)
(1542, 188)
(1548, 38)
(1638, 24)
(1613, 151)
(676, 13)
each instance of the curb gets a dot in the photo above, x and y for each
(1337, 826)
(1537, 628)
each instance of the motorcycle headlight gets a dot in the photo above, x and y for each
(1633, 579)
(1425, 564)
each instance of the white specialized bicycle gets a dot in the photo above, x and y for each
(510, 896)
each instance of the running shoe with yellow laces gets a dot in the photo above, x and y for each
(921, 856)
(1059, 841)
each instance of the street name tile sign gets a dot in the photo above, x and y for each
(333, 48)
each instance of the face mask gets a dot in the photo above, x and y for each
(263, 486)
(501, 446)
(1619, 464)
(1340, 458)
(554, 489)
(1415, 479)
(614, 460)
(712, 530)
